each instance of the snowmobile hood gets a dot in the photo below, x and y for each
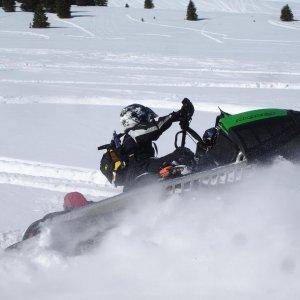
(229, 122)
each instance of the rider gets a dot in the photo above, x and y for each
(135, 149)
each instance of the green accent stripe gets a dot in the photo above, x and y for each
(229, 122)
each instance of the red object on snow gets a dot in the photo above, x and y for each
(74, 200)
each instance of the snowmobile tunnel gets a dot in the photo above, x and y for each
(264, 132)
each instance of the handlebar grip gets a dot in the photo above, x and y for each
(187, 109)
(103, 147)
(185, 101)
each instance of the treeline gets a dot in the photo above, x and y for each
(53, 6)
(8, 5)
(40, 7)
(61, 7)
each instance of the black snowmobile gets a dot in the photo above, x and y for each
(222, 156)
(256, 135)
(252, 136)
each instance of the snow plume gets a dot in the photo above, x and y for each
(239, 242)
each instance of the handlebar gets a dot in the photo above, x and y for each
(187, 112)
(103, 147)
(189, 130)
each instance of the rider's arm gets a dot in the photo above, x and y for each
(143, 133)
(152, 131)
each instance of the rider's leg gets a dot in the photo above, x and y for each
(182, 156)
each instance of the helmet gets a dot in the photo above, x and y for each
(210, 135)
(74, 200)
(134, 114)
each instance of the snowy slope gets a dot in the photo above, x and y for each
(61, 90)
(53, 177)
(106, 55)
(233, 6)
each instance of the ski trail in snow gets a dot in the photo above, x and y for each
(91, 34)
(198, 84)
(255, 69)
(201, 31)
(279, 24)
(54, 177)
(78, 36)
(205, 33)
(261, 40)
(25, 33)
(153, 34)
(208, 34)
(210, 107)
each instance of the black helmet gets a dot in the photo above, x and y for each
(134, 114)
(210, 136)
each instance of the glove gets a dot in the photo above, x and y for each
(187, 110)
(186, 113)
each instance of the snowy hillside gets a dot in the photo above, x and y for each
(61, 91)
(233, 6)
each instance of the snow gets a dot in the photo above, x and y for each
(54, 177)
(61, 92)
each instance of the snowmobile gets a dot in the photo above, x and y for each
(224, 155)
(238, 143)
(254, 136)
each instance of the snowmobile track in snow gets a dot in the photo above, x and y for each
(53, 177)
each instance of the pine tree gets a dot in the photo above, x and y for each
(286, 14)
(148, 4)
(191, 13)
(8, 5)
(50, 5)
(63, 9)
(29, 5)
(85, 2)
(101, 2)
(40, 18)
(0, 3)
